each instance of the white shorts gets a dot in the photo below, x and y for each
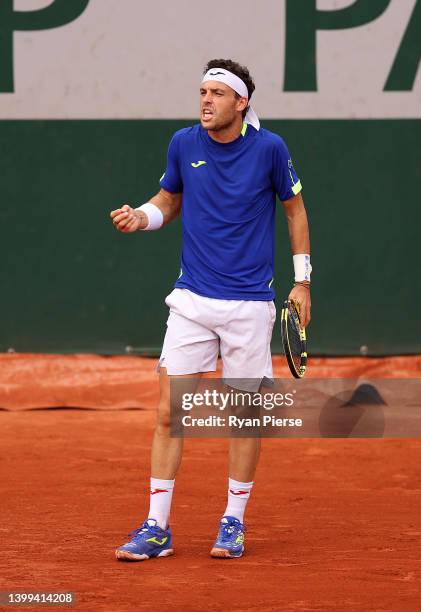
(198, 328)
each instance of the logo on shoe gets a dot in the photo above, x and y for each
(155, 541)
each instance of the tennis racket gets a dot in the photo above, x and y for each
(294, 339)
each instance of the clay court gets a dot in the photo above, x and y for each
(251, 135)
(76, 432)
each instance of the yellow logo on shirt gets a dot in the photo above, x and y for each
(198, 164)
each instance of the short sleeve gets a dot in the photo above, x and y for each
(284, 178)
(172, 180)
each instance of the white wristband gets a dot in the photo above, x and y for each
(302, 267)
(154, 215)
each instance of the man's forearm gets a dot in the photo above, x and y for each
(299, 233)
(168, 204)
(298, 230)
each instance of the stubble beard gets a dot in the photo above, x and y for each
(219, 125)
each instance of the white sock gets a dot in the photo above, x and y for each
(160, 501)
(238, 495)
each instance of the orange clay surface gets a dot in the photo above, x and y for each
(331, 525)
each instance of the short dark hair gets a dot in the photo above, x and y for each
(237, 69)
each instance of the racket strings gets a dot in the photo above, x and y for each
(294, 339)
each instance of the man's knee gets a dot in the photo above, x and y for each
(163, 420)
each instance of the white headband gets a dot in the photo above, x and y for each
(232, 80)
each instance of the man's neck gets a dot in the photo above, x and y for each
(228, 134)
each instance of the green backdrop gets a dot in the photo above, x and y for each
(72, 283)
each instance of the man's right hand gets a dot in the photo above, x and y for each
(126, 219)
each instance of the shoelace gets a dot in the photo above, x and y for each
(144, 530)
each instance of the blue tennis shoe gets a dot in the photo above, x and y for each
(148, 541)
(230, 539)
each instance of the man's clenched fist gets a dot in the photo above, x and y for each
(127, 220)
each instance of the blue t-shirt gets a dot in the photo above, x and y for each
(228, 209)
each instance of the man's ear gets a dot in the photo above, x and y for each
(242, 104)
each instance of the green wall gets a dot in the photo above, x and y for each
(70, 282)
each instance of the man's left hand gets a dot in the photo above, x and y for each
(300, 294)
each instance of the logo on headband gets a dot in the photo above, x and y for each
(215, 73)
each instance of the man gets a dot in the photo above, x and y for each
(225, 173)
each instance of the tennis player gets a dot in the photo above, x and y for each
(224, 174)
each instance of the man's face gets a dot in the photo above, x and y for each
(219, 105)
